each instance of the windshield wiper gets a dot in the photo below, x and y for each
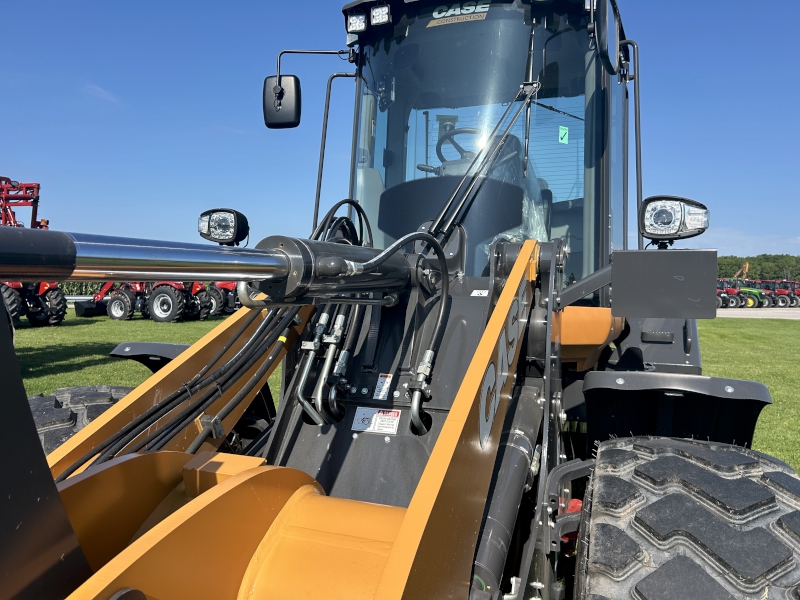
(443, 225)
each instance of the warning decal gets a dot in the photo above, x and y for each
(376, 420)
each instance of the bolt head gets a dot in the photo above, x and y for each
(620, 381)
(364, 391)
(355, 436)
(729, 389)
(353, 390)
(387, 439)
(395, 394)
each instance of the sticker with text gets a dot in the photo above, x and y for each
(376, 420)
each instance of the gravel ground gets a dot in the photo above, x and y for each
(792, 314)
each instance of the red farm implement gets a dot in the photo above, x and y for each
(43, 303)
(162, 301)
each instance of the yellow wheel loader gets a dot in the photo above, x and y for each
(485, 394)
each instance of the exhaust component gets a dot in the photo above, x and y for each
(30, 254)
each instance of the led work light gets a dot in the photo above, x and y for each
(379, 15)
(224, 226)
(356, 23)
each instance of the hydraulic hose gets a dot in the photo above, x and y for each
(191, 413)
(244, 352)
(242, 393)
(158, 410)
(362, 218)
(426, 365)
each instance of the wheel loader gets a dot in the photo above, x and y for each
(485, 394)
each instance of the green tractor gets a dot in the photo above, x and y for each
(753, 297)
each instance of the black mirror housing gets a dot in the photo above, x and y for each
(282, 103)
(607, 31)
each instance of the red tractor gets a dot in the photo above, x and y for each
(162, 301)
(223, 297)
(722, 295)
(734, 298)
(42, 302)
(781, 296)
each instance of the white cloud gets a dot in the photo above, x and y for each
(97, 92)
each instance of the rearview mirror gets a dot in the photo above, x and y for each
(282, 102)
(607, 31)
(664, 219)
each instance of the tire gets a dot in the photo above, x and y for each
(733, 302)
(226, 309)
(68, 410)
(670, 519)
(766, 302)
(719, 302)
(199, 307)
(782, 301)
(166, 304)
(751, 302)
(120, 306)
(13, 301)
(56, 303)
(793, 302)
(217, 301)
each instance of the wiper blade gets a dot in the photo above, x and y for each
(444, 225)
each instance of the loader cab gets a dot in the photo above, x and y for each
(433, 82)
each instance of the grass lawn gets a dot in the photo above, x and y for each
(764, 350)
(76, 352)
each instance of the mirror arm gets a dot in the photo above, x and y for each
(278, 90)
(638, 133)
(584, 287)
(322, 144)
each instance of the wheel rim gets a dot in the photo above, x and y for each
(213, 303)
(117, 310)
(162, 306)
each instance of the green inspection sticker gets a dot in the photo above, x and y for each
(563, 135)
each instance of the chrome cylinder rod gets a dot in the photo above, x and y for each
(34, 255)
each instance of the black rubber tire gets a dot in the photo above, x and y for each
(13, 300)
(793, 302)
(733, 302)
(57, 304)
(751, 302)
(782, 301)
(199, 307)
(674, 519)
(120, 306)
(166, 304)
(719, 302)
(766, 303)
(217, 301)
(226, 309)
(60, 416)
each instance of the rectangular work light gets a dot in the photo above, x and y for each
(356, 23)
(379, 15)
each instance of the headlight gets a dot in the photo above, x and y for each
(665, 219)
(224, 226)
(356, 23)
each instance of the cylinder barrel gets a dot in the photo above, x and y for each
(33, 255)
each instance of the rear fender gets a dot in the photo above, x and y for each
(197, 286)
(175, 284)
(45, 286)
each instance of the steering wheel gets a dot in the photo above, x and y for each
(448, 136)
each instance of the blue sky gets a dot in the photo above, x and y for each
(136, 117)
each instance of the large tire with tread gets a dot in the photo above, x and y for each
(671, 519)
(13, 301)
(68, 410)
(733, 302)
(217, 301)
(793, 302)
(166, 304)
(719, 301)
(120, 306)
(751, 301)
(766, 303)
(56, 302)
(199, 307)
(782, 301)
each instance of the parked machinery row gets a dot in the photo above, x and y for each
(162, 301)
(756, 293)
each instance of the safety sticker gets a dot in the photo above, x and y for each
(376, 420)
(480, 293)
(382, 388)
(563, 135)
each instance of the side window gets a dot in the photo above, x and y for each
(618, 96)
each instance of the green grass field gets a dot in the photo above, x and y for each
(764, 350)
(76, 353)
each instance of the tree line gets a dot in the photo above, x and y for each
(763, 266)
